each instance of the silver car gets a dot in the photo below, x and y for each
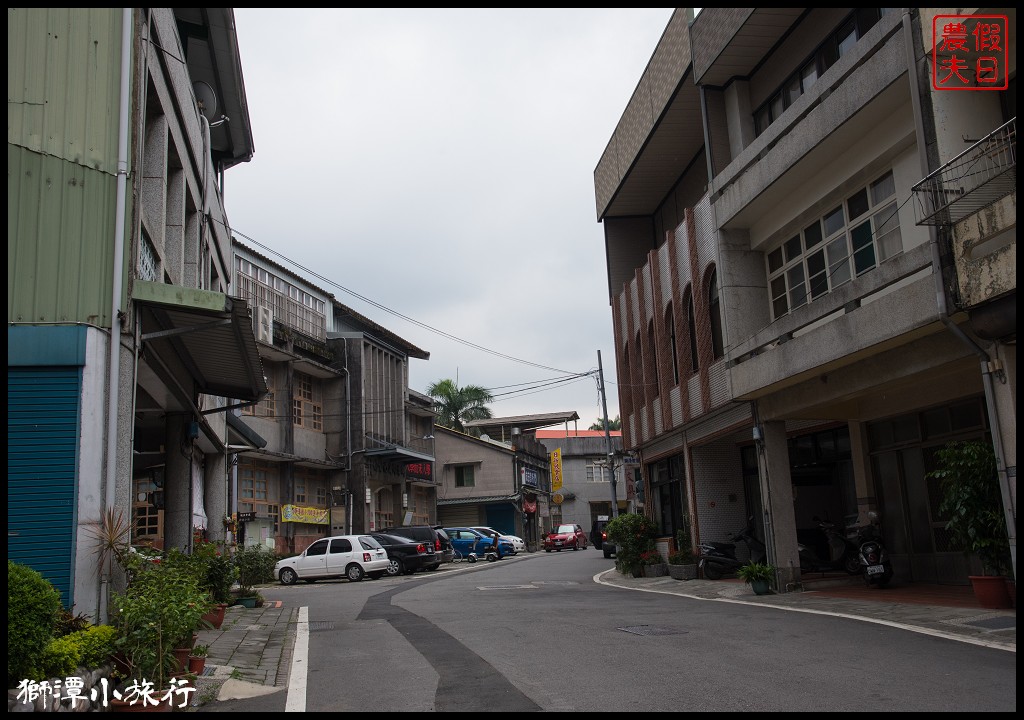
(518, 545)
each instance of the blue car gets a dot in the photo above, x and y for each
(467, 540)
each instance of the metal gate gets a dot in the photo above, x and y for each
(42, 463)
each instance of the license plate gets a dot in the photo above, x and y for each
(875, 569)
(558, 542)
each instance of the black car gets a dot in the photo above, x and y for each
(426, 534)
(599, 538)
(405, 555)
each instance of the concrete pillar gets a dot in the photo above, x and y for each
(777, 494)
(177, 481)
(215, 495)
(861, 460)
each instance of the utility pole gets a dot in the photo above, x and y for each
(607, 435)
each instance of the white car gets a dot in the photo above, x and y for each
(350, 556)
(518, 545)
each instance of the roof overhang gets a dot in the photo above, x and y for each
(478, 500)
(205, 335)
(240, 434)
(398, 454)
(282, 457)
(523, 423)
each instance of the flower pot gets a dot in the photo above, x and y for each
(659, 570)
(683, 572)
(216, 616)
(991, 592)
(760, 587)
(181, 656)
(248, 602)
(196, 664)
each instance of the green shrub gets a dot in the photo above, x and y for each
(633, 534)
(33, 605)
(89, 648)
(97, 645)
(255, 565)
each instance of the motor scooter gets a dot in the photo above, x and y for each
(716, 559)
(843, 552)
(874, 558)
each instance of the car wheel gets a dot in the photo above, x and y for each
(607, 552)
(434, 567)
(395, 567)
(354, 572)
(547, 549)
(713, 571)
(289, 576)
(375, 575)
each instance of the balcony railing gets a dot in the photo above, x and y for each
(286, 310)
(973, 180)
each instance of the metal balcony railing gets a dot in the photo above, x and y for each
(973, 180)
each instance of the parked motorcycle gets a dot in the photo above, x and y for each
(874, 558)
(716, 559)
(843, 553)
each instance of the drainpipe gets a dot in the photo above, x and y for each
(114, 364)
(987, 364)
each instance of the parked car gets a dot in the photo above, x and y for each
(518, 544)
(563, 537)
(405, 555)
(467, 540)
(426, 534)
(350, 556)
(599, 538)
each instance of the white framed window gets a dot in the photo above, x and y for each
(596, 471)
(849, 240)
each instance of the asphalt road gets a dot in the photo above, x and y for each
(536, 633)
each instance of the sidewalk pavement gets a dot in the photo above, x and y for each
(251, 655)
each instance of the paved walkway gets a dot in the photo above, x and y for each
(251, 655)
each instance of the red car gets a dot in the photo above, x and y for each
(564, 537)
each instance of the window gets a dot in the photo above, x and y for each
(266, 407)
(596, 470)
(317, 548)
(864, 229)
(341, 545)
(652, 362)
(691, 323)
(670, 333)
(825, 56)
(307, 407)
(300, 490)
(715, 316)
(464, 476)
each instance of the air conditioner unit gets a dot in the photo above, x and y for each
(265, 324)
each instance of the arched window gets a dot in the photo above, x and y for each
(652, 362)
(670, 333)
(715, 315)
(691, 324)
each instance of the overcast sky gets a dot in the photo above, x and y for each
(435, 170)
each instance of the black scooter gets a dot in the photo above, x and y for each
(716, 559)
(874, 558)
(843, 552)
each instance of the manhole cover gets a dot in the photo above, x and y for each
(650, 630)
(321, 625)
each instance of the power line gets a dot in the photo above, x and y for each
(386, 309)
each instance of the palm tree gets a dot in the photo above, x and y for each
(455, 405)
(615, 424)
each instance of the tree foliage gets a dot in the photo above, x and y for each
(615, 424)
(456, 405)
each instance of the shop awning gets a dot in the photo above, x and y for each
(206, 335)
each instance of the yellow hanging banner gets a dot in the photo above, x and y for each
(556, 470)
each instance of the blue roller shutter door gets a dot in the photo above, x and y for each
(42, 461)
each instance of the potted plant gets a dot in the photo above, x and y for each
(255, 565)
(972, 506)
(218, 577)
(681, 565)
(758, 576)
(197, 659)
(631, 534)
(653, 563)
(158, 612)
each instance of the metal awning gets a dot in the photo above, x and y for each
(240, 433)
(204, 334)
(474, 500)
(398, 454)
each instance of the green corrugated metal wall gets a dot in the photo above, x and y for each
(63, 81)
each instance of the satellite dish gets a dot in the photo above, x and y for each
(206, 98)
(485, 436)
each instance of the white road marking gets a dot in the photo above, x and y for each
(300, 665)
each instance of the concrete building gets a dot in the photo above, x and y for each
(789, 339)
(348, 443)
(586, 493)
(126, 346)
